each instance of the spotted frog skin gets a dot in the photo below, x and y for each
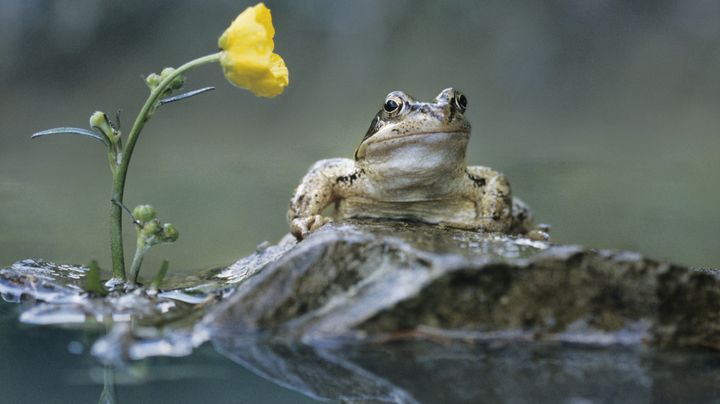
(411, 166)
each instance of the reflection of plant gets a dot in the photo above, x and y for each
(248, 62)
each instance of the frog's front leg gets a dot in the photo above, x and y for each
(493, 198)
(327, 182)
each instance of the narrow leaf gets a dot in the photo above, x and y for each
(126, 210)
(73, 131)
(93, 284)
(186, 95)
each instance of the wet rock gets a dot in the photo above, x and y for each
(141, 322)
(54, 294)
(382, 281)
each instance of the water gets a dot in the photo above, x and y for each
(432, 372)
(53, 365)
(91, 345)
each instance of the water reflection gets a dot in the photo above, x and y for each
(60, 363)
(108, 395)
(437, 372)
(38, 367)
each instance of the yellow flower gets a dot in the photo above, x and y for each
(247, 54)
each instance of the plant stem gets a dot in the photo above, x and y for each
(160, 275)
(137, 262)
(119, 175)
(116, 240)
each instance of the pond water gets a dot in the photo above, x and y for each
(53, 365)
(604, 115)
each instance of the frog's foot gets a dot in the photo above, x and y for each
(493, 225)
(457, 225)
(483, 224)
(540, 232)
(538, 235)
(302, 226)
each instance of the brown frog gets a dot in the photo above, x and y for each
(411, 166)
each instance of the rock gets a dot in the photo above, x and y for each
(408, 313)
(141, 323)
(380, 281)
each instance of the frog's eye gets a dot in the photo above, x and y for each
(393, 105)
(460, 101)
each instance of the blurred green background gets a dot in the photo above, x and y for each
(605, 115)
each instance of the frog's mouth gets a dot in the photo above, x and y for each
(429, 134)
(428, 139)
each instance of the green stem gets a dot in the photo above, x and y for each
(116, 240)
(137, 262)
(155, 285)
(119, 175)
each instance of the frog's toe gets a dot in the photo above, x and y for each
(318, 221)
(538, 235)
(301, 227)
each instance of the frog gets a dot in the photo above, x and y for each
(410, 165)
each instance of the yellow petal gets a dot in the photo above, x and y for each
(247, 59)
(275, 81)
(263, 17)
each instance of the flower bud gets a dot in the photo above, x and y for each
(144, 213)
(177, 82)
(170, 234)
(99, 120)
(151, 228)
(166, 72)
(152, 80)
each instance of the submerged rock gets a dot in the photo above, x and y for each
(381, 281)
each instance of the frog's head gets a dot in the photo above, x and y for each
(413, 130)
(408, 135)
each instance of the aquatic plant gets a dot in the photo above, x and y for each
(248, 61)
